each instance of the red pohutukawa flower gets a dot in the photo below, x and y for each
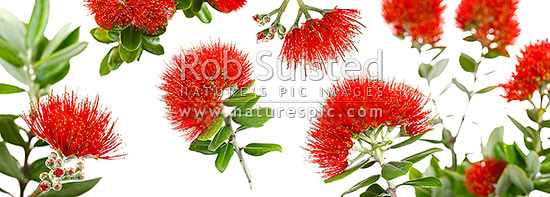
(492, 22)
(532, 72)
(227, 6)
(481, 177)
(419, 19)
(147, 15)
(75, 127)
(194, 82)
(355, 106)
(321, 40)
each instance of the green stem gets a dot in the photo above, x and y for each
(280, 11)
(36, 192)
(304, 9)
(238, 150)
(320, 11)
(379, 156)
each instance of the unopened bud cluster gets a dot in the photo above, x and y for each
(261, 19)
(269, 33)
(52, 180)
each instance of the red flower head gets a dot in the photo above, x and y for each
(147, 15)
(194, 82)
(419, 19)
(359, 105)
(75, 127)
(321, 40)
(532, 72)
(227, 6)
(481, 177)
(492, 22)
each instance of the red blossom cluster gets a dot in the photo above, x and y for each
(227, 6)
(75, 127)
(492, 22)
(194, 81)
(481, 177)
(419, 19)
(147, 15)
(357, 106)
(532, 72)
(321, 40)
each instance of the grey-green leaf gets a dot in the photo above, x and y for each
(519, 178)
(8, 164)
(461, 87)
(61, 56)
(56, 41)
(421, 155)
(485, 90)
(394, 169)
(533, 163)
(362, 184)
(38, 22)
(73, 188)
(408, 141)
(224, 155)
(495, 137)
(259, 149)
(347, 172)
(438, 68)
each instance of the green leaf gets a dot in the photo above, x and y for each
(73, 188)
(40, 143)
(347, 172)
(10, 54)
(61, 56)
(8, 164)
(36, 168)
(495, 137)
(437, 69)
(52, 74)
(446, 137)
(248, 105)
(519, 179)
(394, 169)
(545, 166)
(238, 101)
(188, 13)
(10, 132)
(12, 29)
(362, 184)
(424, 182)
(129, 56)
(71, 39)
(467, 63)
(424, 70)
(196, 6)
(470, 38)
(220, 138)
(105, 36)
(204, 14)
(533, 163)
(414, 174)
(259, 149)
(183, 4)
(408, 141)
(421, 155)
(493, 54)
(485, 90)
(254, 117)
(130, 38)
(543, 184)
(212, 130)
(546, 123)
(461, 87)
(224, 155)
(10, 89)
(240, 92)
(521, 127)
(151, 45)
(373, 191)
(201, 147)
(446, 88)
(38, 22)
(6, 192)
(105, 68)
(56, 41)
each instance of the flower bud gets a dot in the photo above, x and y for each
(270, 36)
(256, 18)
(58, 172)
(44, 186)
(70, 171)
(266, 19)
(53, 155)
(44, 176)
(261, 23)
(260, 36)
(59, 162)
(282, 30)
(281, 36)
(79, 176)
(57, 186)
(50, 162)
(79, 166)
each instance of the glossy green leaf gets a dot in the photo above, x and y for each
(240, 92)
(259, 149)
(467, 63)
(197, 5)
(52, 74)
(394, 169)
(151, 45)
(424, 182)
(421, 155)
(130, 38)
(204, 14)
(238, 101)
(437, 69)
(6, 192)
(36, 168)
(347, 172)
(40, 143)
(220, 138)
(201, 147)
(248, 105)
(12, 29)
(545, 166)
(183, 4)
(408, 141)
(224, 155)
(8, 164)
(470, 38)
(56, 41)
(71, 39)
(495, 137)
(105, 36)
(129, 56)
(115, 60)
(10, 54)
(485, 90)
(212, 130)
(38, 22)
(61, 56)
(373, 191)
(362, 184)
(10, 89)
(10, 132)
(189, 13)
(105, 67)
(73, 188)
(257, 116)
(543, 184)
(414, 174)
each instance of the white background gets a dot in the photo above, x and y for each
(159, 162)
